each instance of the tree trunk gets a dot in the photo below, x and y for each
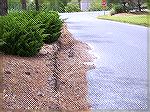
(37, 5)
(3, 7)
(79, 3)
(24, 5)
(139, 6)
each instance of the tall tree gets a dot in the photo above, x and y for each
(24, 4)
(3, 7)
(37, 5)
(148, 3)
(79, 1)
(137, 3)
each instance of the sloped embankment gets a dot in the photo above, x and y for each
(55, 79)
(71, 69)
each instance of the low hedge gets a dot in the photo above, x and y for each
(52, 24)
(118, 9)
(23, 33)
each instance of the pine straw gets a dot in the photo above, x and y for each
(28, 82)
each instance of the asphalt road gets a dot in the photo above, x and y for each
(120, 78)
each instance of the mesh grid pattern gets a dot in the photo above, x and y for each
(59, 79)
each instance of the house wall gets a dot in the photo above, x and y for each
(85, 4)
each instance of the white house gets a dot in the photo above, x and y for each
(85, 4)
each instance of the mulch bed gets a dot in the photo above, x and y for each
(29, 82)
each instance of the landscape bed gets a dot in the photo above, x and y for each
(54, 79)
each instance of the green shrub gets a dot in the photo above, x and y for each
(95, 6)
(23, 33)
(52, 24)
(20, 34)
(112, 12)
(72, 8)
(1, 31)
(118, 9)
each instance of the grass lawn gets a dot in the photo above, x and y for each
(132, 19)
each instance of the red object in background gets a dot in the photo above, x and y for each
(104, 3)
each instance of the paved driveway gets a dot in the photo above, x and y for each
(120, 78)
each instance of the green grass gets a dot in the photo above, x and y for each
(143, 20)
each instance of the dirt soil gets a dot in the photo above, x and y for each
(55, 79)
(124, 14)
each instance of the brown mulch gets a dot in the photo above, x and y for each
(25, 81)
(124, 14)
(72, 73)
(29, 82)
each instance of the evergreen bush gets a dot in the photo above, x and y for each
(23, 33)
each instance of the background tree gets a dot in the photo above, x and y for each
(65, 2)
(139, 5)
(148, 3)
(56, 5)
(79, 1)
(3, 7)
(24, 4)
(37, 5)
(136, 3)
(114, 1)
